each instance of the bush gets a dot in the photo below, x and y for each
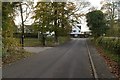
(110, 44)
(10, 45)
(26, 35)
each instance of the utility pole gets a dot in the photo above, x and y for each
(22, 35)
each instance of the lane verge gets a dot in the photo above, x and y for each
(91, 62)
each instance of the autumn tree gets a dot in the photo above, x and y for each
(9, 12)
(50, 17)
(57, 17)
(110, 10)
(42, 23)
(9, 43)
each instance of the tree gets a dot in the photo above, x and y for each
(24, 14)
(110, 10)
(9, 12)
(9, 43)
(96, 22)
(57, 17)
(51, 18)
(42, 18)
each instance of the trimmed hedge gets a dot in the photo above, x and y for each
(110, 44)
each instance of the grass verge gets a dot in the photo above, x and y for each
(34, 42)
(112, 59)
(18, 54)
(31, 42)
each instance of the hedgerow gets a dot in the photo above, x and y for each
(110, 44)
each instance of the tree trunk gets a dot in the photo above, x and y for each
(55, 22)
(43, 39)
(63, 5)
(22, 35)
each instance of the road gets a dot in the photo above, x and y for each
(69, 60)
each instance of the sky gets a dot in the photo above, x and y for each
(95, 3)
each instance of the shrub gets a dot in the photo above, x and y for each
(10, 45)
(111, 44)
(26, 35)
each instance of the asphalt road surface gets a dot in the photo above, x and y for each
(69, 60)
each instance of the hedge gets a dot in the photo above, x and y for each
(26, 35)
(110, 44)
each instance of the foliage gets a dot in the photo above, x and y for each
(18, 54)
(34, 42)
(56, 17)
(114, 31)
(11, 49)
(44, 18)
(10, 46)
(26, 35)
(7, 20)
(31, 42)
(110, 44)
(64, 39)
(111, 12)
(110, 9)
(6, 24)
(96, 22)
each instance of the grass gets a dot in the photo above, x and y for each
(62, 40)
(15, 56)
(112, 59)
(34, 42)
(19, 54)
(31, 42)
(113, 56)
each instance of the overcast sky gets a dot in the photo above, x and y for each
(95, 3)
